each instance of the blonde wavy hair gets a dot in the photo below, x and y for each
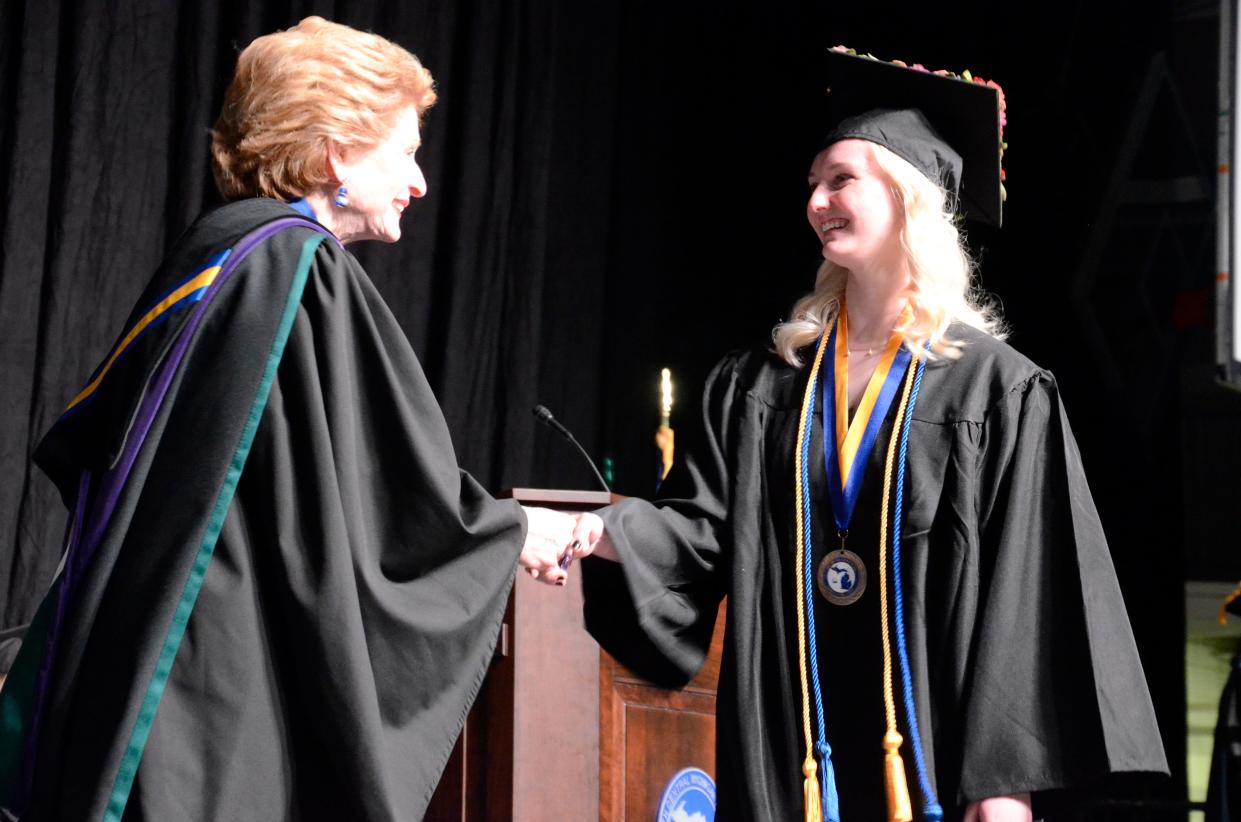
(297, 90)
(941, 288)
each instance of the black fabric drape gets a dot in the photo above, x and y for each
(104, 150)
(615, 186)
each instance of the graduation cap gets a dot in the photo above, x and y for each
(948, 127)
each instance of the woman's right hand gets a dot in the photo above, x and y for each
(548, 534)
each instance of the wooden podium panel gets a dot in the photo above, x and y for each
(560, 730)
(647, 733)
(530, 746)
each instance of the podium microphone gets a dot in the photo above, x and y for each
(550, 421)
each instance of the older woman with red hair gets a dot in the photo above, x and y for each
(279, 593)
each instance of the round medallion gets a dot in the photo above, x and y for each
(841, 577)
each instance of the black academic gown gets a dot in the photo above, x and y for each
(1024, 669)
(351, 599)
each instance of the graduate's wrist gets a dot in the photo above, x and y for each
(1013, 808)
(592, 535)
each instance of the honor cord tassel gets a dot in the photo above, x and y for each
(810, 791)
(899, 807)
(831, 799)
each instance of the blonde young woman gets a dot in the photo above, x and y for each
(280, 594)
(922, 616)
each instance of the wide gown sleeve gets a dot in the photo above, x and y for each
(292, 604)
(1054, 693)
(389, 565)
(656, 609)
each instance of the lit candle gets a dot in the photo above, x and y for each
(664, 439)
(665, 391)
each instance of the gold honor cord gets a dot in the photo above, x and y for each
(810, 788)
(899, 807)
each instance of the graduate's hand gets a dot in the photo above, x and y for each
(590, 538)
(548, 534)
(1000, 809)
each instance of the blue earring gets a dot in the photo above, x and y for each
(342, 197)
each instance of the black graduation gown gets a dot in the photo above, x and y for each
(350, 602)
(1025, 673)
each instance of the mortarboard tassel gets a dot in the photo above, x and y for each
(899, 807)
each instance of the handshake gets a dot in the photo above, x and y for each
(554, 539)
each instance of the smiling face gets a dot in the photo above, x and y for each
(852, 208)
(381, 181)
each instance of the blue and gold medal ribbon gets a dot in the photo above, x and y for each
(846, 454)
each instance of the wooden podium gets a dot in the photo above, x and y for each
(560, 730)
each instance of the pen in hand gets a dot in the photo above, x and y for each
(567, 559)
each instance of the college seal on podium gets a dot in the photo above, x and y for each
(689, 797)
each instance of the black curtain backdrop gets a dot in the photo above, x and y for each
(614, 186)
(104, 146)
